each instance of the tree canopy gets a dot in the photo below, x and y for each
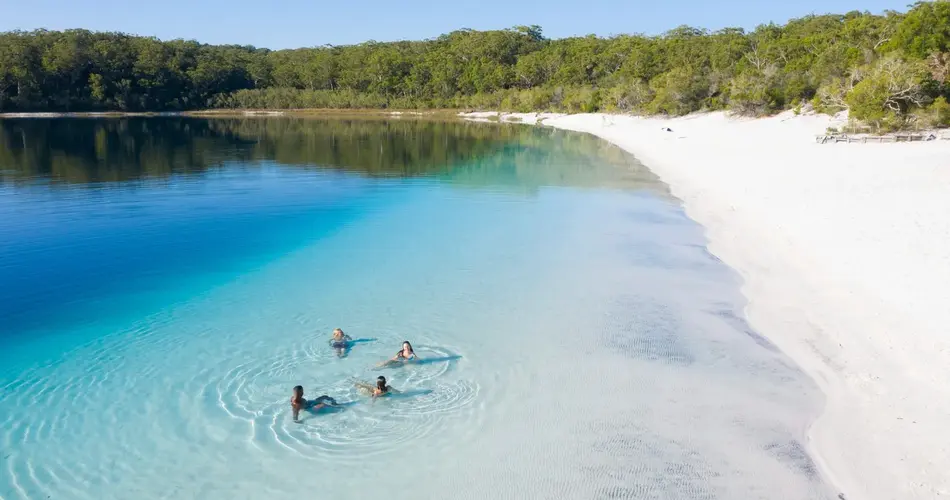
(889, 69)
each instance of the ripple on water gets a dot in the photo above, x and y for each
(256, 393)
(217, 394)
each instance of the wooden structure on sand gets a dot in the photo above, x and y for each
(836, 138)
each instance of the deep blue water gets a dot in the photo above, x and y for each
(84, 244)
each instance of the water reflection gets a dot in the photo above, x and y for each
(81, 151)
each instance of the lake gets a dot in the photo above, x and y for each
(165, 282)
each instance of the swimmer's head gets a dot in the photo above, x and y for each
(337, 332)
(298, 391)
(381, 383)
(407, 346)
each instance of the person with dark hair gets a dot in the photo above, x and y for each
(405, 354)
(380, 389)
(298, 402)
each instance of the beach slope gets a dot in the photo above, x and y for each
(845, 254)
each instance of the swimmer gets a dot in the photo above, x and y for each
(339, 341)
(404, 355)
(339, 336)
(298, 402)
(380, 389)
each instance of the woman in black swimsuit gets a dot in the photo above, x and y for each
(404, 355)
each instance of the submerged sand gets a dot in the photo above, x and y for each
(845, 254)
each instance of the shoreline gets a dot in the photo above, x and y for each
(844, 254)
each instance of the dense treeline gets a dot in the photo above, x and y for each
(889, 70)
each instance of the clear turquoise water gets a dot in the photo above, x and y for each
(165, 282)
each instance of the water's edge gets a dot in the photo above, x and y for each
(717, 233)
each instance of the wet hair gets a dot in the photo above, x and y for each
(381, 383)
(406, 342)
(298, 389)
(335, 330)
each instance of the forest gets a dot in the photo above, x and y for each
(889, 70)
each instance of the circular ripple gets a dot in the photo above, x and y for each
(121, 401)
(257, 394)
(365, 426)
(79, 402)
(433, 363)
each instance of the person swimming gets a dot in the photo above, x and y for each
(404, 355)
(298, 402)
(380, 389)
(339, 338)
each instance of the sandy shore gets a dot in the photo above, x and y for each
(845, 254)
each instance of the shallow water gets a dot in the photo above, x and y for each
(164, 283)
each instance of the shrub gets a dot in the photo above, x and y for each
(678, 92)
(941, 110)
(892, 88)
(749, 94)
(937, 115)
(581, 100)
(628, 96)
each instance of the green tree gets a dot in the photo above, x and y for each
(888, 93)
(924, 30)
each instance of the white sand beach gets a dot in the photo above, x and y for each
(845, 254)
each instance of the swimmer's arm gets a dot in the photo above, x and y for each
(296, 413)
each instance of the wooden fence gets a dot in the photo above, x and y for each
(836, 138)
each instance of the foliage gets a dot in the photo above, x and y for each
(856, 61)
(629, 96)
(935, 115)
(941, 111)
(924, 30)
(891, 89)
(755, 93)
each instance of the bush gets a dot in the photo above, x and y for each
(628, 96)
(678, 92)
(581, 100)
(941, 110)
(511, 102)
(937, 115)
(541, 99)
(749, 95)
(890, 91)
